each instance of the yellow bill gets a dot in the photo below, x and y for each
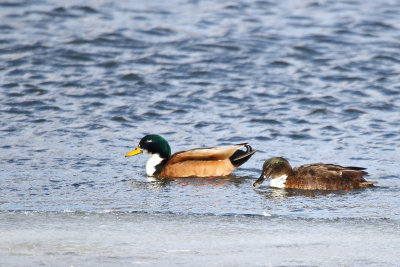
(134, 152)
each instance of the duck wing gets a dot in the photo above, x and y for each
(331, 177)
(206, 154)
(207, 162)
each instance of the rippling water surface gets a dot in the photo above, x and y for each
(80, 84)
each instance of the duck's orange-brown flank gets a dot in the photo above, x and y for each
(198, 168)
(206, 162)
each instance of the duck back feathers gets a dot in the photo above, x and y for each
(320, 176)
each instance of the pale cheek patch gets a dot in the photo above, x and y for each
(279, 182)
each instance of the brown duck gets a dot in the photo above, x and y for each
(200, 162)
(317, 176)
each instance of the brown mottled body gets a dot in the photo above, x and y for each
(317, 176)
(320, 176)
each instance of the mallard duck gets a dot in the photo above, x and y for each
(317, 176)
(199, 162)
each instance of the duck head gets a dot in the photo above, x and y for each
(152, 145)
(159, 150)
(276, 168)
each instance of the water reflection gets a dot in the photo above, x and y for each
(157, 183)
(272, 193)
(283, 193)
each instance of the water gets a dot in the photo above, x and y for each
(313, 81)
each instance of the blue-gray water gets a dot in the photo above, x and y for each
(80, 84)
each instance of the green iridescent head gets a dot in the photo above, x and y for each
(152, 144)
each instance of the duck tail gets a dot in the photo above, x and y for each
(356, 168)
(240, 156)
(368, 183)
(359, 169)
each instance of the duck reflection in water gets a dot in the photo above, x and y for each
(158, 183)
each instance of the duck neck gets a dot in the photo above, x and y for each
(155, 164)
(290, 172)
